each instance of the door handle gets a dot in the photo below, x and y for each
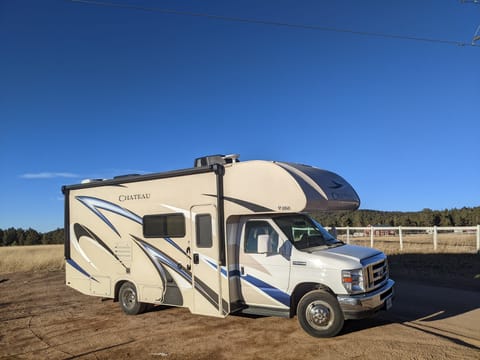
(196, 258)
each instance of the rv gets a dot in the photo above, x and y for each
(225, 236)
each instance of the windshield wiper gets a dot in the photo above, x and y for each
(336, 244)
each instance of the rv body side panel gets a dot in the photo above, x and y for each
(255, 187)
(258, 186)
(143, 232)
(324, 189)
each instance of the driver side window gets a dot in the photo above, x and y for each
(253, 230)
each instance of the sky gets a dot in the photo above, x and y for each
(94, 91)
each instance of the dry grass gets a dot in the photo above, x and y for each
(455, 260)
(31, 258)
(420, 243)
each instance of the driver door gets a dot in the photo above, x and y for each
(264, 270)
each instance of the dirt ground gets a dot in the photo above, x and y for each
(41, 318)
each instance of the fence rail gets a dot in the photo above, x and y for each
(467, 237)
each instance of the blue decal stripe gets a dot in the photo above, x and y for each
(80, 269)
(233, 273)
(158, 266)
(163, 258)
(268, 289)
(207, 292)
(212, 264)
(94, 204)
(175, 245)
(81, 230)
(223, 269)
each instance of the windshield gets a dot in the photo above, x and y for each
(305, 233)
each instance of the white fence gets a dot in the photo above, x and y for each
(467, 237)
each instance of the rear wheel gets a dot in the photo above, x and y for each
(128, 299)
(319, 314)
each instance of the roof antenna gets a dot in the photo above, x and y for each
(476, 36)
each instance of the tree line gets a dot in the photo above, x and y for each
(13, 236)
(361, 218)
(427, 217)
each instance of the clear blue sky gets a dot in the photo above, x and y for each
(93, 91)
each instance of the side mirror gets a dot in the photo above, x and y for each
(263, 244)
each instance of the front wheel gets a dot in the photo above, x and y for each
(319, 314)
(129, 300)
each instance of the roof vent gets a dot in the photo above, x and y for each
(88, 181)
(216, 159)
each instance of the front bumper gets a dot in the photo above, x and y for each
(365, 305)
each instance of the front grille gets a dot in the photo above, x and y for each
(376, 274)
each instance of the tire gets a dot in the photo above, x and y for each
(319, 314)
(128, 299)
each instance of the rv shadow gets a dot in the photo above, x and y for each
(457, 270)
(155, 308)
(429, 287)
(443, 285)
(248, 316)
(353, 326)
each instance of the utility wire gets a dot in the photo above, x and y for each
(273, 23)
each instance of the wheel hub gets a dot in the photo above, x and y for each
(319, 315)
(129, 299)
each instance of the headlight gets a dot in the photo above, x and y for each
(352, 280)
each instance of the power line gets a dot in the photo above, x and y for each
(273, 23)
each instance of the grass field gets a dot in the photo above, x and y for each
(455, 259)
(419, 243)
(31, 258)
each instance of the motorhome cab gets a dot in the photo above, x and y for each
(224, 236)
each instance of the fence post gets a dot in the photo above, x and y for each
(348, 235)
(478, 238)
(401, 237)
(371, 236)
(435, 239)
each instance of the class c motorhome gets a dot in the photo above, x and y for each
(223, 237)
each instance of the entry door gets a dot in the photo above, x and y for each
(206, 272)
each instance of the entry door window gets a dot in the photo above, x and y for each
(203, 225)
